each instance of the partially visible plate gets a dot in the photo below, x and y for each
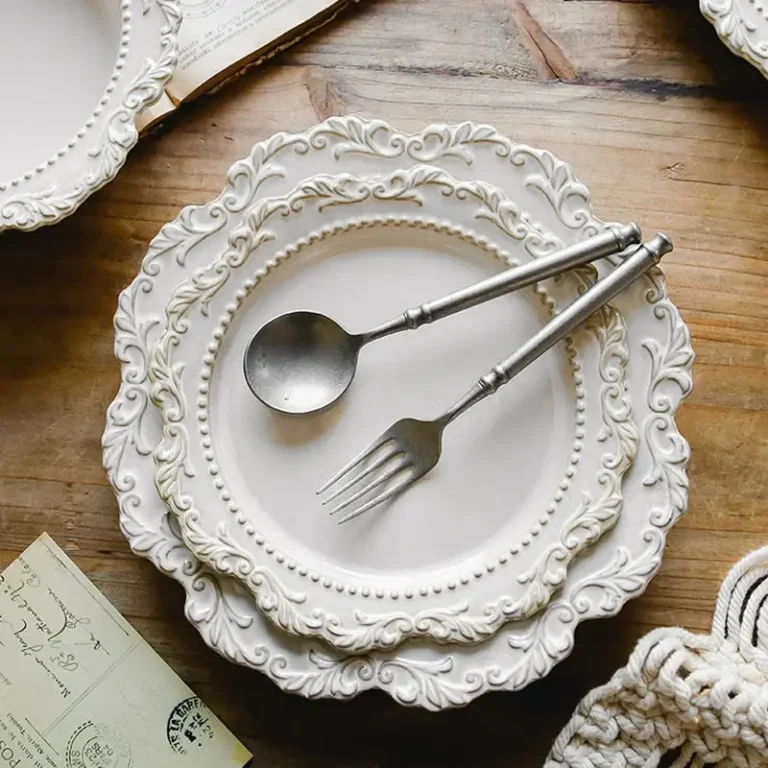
(76, 73)
(743, 26)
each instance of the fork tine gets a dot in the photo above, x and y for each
(390, 454)
(388, 494)
(373, 447)
(391, 472)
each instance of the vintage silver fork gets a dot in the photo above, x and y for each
(410, 448)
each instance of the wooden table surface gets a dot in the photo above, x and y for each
(663, 124)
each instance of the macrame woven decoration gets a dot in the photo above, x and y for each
(698, 699)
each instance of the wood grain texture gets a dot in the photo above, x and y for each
(665, 127)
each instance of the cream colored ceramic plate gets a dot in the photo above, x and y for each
(527, 480)
(75, 75)
(743, 26)
(598, 584)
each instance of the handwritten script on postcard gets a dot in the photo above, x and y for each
(79, 688)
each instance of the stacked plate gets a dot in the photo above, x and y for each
(553, 498)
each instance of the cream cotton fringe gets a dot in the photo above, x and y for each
(705, 696)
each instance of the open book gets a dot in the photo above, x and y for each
(219, 38)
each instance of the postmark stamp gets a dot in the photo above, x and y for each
(96, 746)
(189, 726)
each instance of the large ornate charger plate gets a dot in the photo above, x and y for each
(743, 26)
(78, 72)
(527, 481)
(597, 584)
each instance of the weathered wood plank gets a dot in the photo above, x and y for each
(648, 45)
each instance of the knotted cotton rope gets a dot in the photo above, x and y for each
(704, 697)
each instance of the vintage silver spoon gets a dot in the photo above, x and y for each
(303, 362)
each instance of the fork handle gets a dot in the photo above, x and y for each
(614, 239)
(564, 323)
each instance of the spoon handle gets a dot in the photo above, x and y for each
(564, 323)
(612, 240)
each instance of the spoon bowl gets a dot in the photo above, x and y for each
(301, 362)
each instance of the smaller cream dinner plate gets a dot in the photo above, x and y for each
(529, 478)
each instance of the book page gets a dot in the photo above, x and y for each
(218, 34)
(151, 115)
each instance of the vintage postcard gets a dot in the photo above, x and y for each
(79, 688)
